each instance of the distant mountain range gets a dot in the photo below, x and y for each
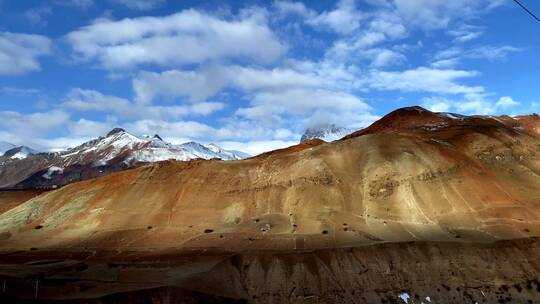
(22, 167)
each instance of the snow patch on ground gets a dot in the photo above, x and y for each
(404, 296)
(452, 115)
(51, 171)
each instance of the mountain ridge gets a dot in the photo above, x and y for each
(118, 150)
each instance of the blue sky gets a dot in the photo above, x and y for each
(252, 75)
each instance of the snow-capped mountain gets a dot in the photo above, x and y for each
(120, 145)
(118, 150)
(327, 133)
(209, 151)
(20, 152)
(16, 152)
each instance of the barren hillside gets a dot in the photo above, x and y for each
(330, 222)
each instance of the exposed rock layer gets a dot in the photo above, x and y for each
(500, 272)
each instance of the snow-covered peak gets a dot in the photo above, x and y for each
(121, 146)
(115, 131)
(326, 132)
(19, 152)
(232, 154)
(210, 151)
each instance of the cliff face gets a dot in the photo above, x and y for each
(280, 227)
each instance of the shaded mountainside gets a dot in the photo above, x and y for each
(418, 203)
(23, 168)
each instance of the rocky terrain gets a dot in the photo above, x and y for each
(419, 207)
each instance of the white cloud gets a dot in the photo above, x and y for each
(465, 33)
(446, 63)
(384, 57)
(19, 128)
(453, 56)
(470, 104)
(344, 19)
(437, 104)
(293, 8)
(89, 128)
(196, 85)
(141, 5)
(423, 79)
(492, 52)
(206, 82)
(272, 93)
(187, 37)
(89, 100)
(19, 53)
(299, 101)
(437, 14)
(15, 91)
(380, 28)
(506, 102)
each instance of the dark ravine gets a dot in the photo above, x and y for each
(499, 272)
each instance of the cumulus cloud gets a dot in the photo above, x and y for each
(286, 8)
(19, 52)
(364, 44)
(272, 93)
(89, 100)
(305, 102)
(200, 36)
(196, 85)
(506, 102)
(201, 84)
